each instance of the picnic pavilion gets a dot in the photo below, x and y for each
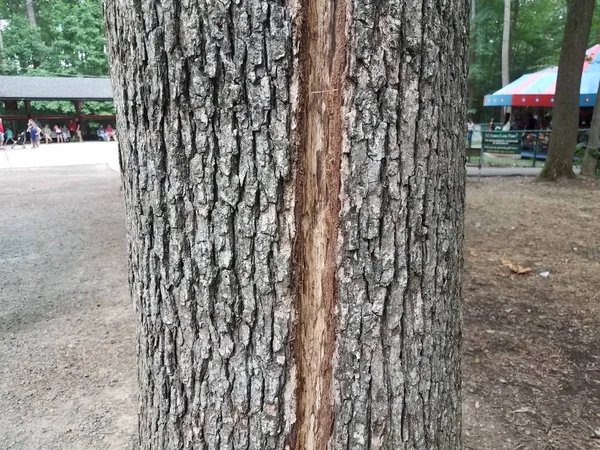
(17, 93)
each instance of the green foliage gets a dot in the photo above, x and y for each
(69, 38)
(535, 44)
(67, 41)
(595, 31)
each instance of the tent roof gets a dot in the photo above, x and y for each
(537, 89)
(55, 88)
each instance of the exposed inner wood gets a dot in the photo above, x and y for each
(322, 63)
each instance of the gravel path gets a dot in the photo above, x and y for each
(67, 366)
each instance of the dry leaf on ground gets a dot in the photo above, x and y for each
(516, 268)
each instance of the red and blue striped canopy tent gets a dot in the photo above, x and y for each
(537, 89)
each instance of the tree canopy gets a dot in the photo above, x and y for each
(68, 38)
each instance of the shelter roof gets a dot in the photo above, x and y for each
(55, 88)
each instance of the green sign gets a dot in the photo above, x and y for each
(505, 142)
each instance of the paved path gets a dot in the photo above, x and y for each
(56, 155)
(106, 153)
(507, 171)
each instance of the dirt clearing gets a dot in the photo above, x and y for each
(531, 362)
(67, 367)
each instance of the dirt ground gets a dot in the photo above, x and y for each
(531, 343)
(67, 367)
(531, 365)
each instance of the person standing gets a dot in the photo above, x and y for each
(470, 130)
(34, 134)
(78, 130)
(492, 125)
(1, 135)
(74, 129)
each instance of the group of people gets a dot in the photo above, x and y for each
(106, 134)
(506, 126)
(64, 133)
(525, 122)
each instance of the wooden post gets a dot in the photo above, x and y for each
(78, 104)
(28, 108)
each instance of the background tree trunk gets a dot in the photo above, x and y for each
(506, 48)
(472, 55)
(29, 7)
(590, 160)
(506, 44)
(2, 54)
(295, 196)
(565, 115)
(513, 31)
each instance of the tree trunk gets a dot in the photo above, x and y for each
(565, 116)
(590, 160)
(295, 205)
(472, 54)
(2, 55)
(506, 44)
(30, 13)
(513, 30)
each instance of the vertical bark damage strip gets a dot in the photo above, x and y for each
(321, 63)
(397, 371)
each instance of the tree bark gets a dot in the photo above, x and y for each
(590, 160)
(295, 197)
(29, 7)
(565, 116)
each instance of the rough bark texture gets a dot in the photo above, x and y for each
(294, 183)
(397, 370)
(203, 94)
(590, 160)
(565, 115)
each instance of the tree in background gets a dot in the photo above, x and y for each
(294, 201)
(472, 56)
(29, 7)
(54, 37)
(506, 43)
(590, 159)
(565, 115)
(535, 39)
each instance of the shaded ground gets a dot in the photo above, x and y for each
(532, 344)
(67, 369)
